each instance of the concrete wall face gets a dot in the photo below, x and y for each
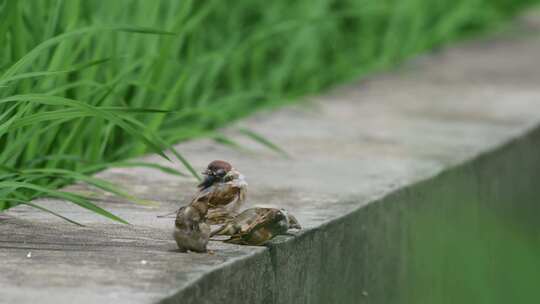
(469, 235)
(472, 233)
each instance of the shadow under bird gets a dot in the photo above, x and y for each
(256, 226)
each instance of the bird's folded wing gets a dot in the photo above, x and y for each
(264, 216)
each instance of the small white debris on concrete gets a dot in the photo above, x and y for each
(29, 254)
(144, 262)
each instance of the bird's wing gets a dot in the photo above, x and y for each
(242, 193)
(203, 195)
(236, 239)
(179, 221)
(219, 216)
(263, 216)
(239, 199)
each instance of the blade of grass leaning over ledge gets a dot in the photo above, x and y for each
(96, 182)
(263, 141)
(206, 63)
(226, 141)
(92, 111)
(127, 164)
(74, 198)
(21, 202)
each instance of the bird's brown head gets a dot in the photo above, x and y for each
(215, 171)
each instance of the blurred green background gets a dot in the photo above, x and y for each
(88, 84)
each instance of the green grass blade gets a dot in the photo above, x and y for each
(91, 110)
(99, 183)
(75, 68)
(20, 202)
(263, 141)
(164, 169)
(76, 199)
(30, 56)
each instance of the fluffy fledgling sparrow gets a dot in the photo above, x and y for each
(191, 231)
(223, 189)
(256, 226)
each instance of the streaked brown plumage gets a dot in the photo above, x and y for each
(220, 195)
(191, 231)
(255, 226)
(223, 189)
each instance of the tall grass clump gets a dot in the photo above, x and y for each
(85, 85)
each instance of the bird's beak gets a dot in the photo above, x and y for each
(209, 179)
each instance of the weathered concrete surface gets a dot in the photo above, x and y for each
(358, 156)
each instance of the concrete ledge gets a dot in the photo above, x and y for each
(407, 185)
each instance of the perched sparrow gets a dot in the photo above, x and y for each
(223, 189)
(255, 226)
(220, 194)
(191, 231)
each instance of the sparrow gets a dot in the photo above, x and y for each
(191, 231)
(223, 189)
(256, 226)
